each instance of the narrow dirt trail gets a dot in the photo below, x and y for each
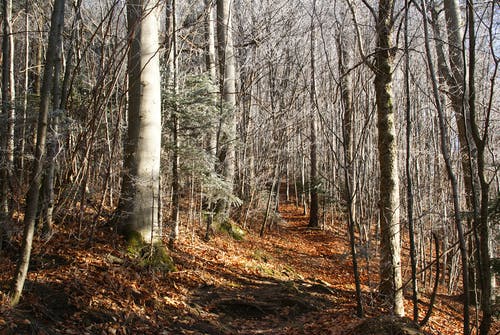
(283, 283)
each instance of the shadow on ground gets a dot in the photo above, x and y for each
(257, 305)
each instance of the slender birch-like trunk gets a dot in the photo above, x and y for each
(313, 181)
(8, 105)
(172, 88)
(57, 24)
(348, 146)
(445, 151)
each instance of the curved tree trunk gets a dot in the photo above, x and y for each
(445, 151)
(481, 212)
(57, 24)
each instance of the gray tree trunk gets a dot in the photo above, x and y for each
(227, 65)
(211, 67)
(210, 40)
(408, 160)
(313, 181)
(172, 88)
(456, 91)
(8, 105)
(445, 151)
(57, 24)
(348, 146)
(140, 187)
(22, 142)
(390, 245)
(481, 211)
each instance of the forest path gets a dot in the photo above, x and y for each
(282, 283)
(294, 280)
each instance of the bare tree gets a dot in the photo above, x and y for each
(390, 244)
(8, 106)
(227, 66)
(140, 189)
(480, 140)
(348, 148)
(172, 89)
(54, 45)
(445, 151)
(313, 182)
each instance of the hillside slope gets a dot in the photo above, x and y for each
(291, 281)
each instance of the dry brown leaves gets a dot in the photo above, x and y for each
(76, 289)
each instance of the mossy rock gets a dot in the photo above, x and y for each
(387, 325)
(231, 228)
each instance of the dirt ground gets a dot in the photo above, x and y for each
(291, 281)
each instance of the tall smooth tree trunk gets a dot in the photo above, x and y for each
(481, 212)
(348, 146)
(59, 99)
(210, 41)
(172, 88)
(456, 89)
(313, 181)
(140, 196)
(227, 66)
(211, 68)
(57, 24)
(22, 140)
(8, 105)
(408, 160)
(445, 151)
(390, 245)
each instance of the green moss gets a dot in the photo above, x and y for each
(149, 256)
(266, 270)
(135, 243)
(231, 228)
(260, 255)
(156, 257)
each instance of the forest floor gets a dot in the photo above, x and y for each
(294, 280)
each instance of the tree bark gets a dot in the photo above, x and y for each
(172, 88)
(445, 151)
(8, 105)
(210, 41)
(57, 24)
(390, 245)
(480, 141)
(22, 142)
(140, 186)
(313, 181)
(409, 181)
(457, 91)
(348, 145)
(227, 65)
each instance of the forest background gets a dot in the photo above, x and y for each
(161, 119)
